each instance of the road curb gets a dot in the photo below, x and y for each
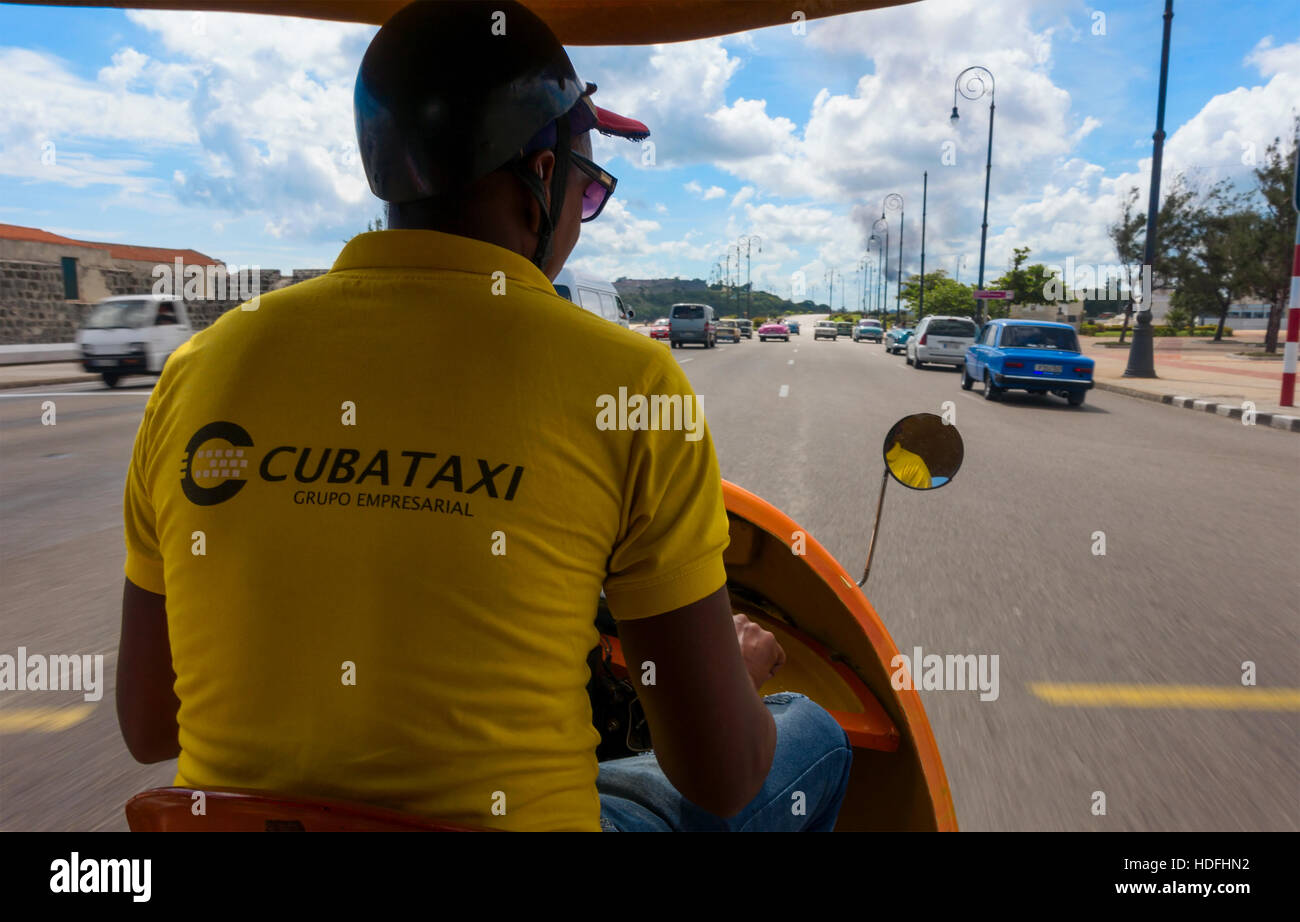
(1283, 421)
(41, 382)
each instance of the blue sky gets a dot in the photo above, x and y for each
(233, 135)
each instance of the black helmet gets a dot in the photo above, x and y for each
(451, 90)
(444, 98)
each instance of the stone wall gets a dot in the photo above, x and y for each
(33, 310)
(127, 281)
(204, 314)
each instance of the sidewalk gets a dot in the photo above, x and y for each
(38, 353)
(1197, 374)
(46, 373)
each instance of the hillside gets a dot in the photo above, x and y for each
(651, 298)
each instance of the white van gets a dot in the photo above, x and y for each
(132, 335)
(592, 293)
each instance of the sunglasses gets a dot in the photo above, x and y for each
(598, 191)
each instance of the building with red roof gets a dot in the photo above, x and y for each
(48, 281)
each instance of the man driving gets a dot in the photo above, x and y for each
(375, 577)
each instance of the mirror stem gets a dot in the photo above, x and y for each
(875, 527)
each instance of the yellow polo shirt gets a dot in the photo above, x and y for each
(382, 506)
(908, 467)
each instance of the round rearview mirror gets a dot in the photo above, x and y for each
(922, 451)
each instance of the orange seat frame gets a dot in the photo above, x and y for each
(227, 810)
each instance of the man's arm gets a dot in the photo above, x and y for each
(713, 735)
(146, 699)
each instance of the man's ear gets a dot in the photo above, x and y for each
(542, 166)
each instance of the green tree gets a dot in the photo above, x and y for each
(1030, 284)
(1216, 270)
(1177, 233)
(1269, 274)
(1125, 234)
(1179, 317)
(942, 295)
(912, 290)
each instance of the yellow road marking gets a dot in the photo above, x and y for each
(42, 720)
(1228, 697)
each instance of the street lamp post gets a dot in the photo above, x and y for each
(735, 287)
(925, 187)
(749, 284)
(875, 287)
(862, 285)
(894, 202)
(1141, 354)
(726, 288)
(881, 224)
(974, 89)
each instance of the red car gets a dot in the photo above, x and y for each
(773, 331)
(659, 329)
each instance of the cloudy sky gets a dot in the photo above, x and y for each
(233, 135)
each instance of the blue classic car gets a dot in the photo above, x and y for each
(896, 339)
(1028, 355)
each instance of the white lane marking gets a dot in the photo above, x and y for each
(796, 349)
(791, 362)
(785, 391)
(684, 361)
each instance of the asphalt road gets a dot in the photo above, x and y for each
(1202, 524)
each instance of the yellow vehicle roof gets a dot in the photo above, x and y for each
(575, 22)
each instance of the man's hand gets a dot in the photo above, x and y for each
(713, 736)
(763, 656)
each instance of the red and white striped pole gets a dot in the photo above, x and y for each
(1292, 327)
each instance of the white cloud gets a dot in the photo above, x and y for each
(695, 189)
(127, 65)
(261, 108)
(621, 244)
(44, 99)
(1271, 59)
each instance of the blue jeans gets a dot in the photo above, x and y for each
(803, 791)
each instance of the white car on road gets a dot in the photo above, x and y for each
(132, 335)
(940, 341)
